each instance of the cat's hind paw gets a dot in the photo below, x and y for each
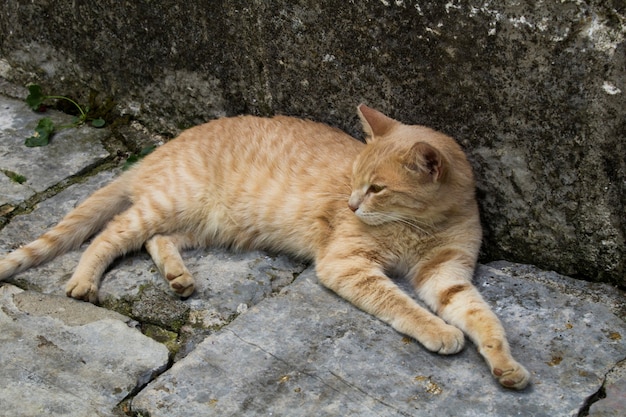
(515, 377)
(82, 290)
(182, 284)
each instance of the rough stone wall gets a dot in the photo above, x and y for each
(534, 91)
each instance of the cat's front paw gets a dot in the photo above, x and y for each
(182, 284)
(446, 340)
(82, 290)
(514, 376)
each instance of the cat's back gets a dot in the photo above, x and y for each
(276, 142)
(258, 182)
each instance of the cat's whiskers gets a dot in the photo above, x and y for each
(420, 226)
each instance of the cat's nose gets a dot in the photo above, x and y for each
(354, 202)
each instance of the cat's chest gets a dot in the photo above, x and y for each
(406, 248)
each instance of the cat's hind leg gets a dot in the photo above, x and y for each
(165, 252)
(444, 283)
(125, 233)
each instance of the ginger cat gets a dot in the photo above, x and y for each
(401, 204)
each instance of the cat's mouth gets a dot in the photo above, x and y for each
(369, 218)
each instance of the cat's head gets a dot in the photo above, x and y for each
(408, 173)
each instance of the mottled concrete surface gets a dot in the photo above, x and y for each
(534, 91)
(261, 336)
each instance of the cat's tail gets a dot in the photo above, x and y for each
(76, 227)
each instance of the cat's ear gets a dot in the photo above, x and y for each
(375, 124)
(426, 161)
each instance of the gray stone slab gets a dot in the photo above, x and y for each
(62, 357)
(307, 352)
(227, 283)
(70, 151)
(613, 402)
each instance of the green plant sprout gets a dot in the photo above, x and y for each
(136, 157)
(14, 176)
(46, 127)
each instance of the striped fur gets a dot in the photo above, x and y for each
(403, 203)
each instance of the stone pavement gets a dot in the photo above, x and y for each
(261, 336)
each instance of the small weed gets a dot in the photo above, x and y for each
(46, 127)
(136, 157)
(14, 176)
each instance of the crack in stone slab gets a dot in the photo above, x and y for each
(600, 394)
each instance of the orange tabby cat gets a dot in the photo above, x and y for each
(402, 204)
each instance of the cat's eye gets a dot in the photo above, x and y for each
(375, 188)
